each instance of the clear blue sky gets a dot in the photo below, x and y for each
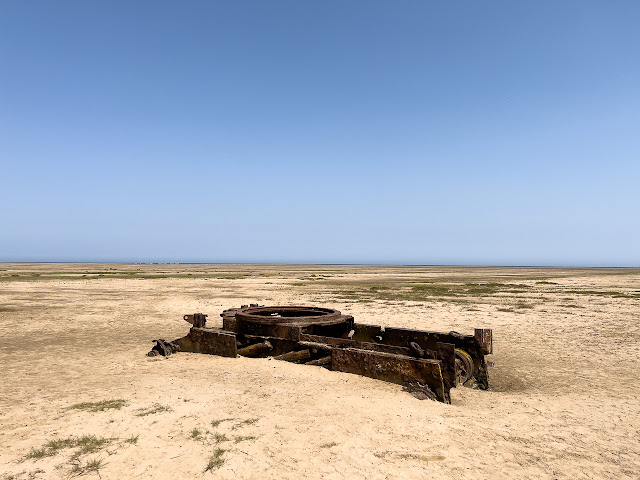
(463, 132)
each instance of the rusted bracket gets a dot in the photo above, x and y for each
(198, 320)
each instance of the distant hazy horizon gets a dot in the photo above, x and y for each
(320, 264)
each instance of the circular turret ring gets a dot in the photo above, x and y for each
(290, 315)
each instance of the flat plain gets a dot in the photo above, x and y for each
(79, 397)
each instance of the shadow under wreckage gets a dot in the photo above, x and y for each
(427, 364)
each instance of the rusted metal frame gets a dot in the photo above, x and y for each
(309, 334)
(403, 336)
(211, 341)
(426, 339)
(398, 369)
(434, 344)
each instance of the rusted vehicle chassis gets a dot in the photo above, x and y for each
(427, 364)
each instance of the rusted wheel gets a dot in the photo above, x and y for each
(464, 366)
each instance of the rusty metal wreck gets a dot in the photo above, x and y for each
(427, 364)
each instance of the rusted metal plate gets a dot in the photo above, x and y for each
(484, 336)
(279, 330)
(209, 340)
(446, 353)
(398, 369)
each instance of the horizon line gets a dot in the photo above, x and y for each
(337, 264)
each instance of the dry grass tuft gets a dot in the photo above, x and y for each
(216, 460)
(85, 444)
(215, 423)
(250, 421)
(156, 408)
(101, 406)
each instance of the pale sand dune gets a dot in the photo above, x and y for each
(564, 404)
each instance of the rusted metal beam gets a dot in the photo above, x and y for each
(295, 357)
(255, 349)
(280, 345)
(320, 361)
(345, 342)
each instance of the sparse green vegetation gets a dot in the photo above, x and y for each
(132, 439)
(93, 465)
(250, 421)
(216, 460)
(38, 453)
(220, 437)
(156, 408)
(124, 274)
(239, 439)
(91, 443)
(603, 293)
(100, 406)
(85, 444)
(215, 423)
(422, 291)
(196, 434)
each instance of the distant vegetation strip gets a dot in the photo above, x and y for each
(458, 292)
(37, 276)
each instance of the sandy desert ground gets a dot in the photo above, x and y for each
(564, 401)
